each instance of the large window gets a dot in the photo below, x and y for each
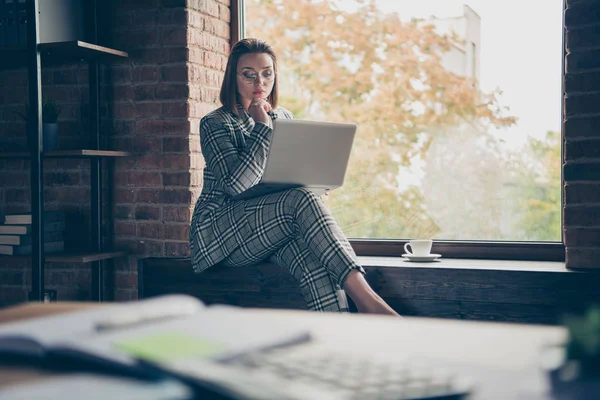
(458, 104)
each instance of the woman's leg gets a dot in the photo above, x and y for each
(319, 290)
(275, 236)
(278, 218)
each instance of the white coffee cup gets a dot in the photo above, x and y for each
(419, 247)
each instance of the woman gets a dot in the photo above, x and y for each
(292, 228)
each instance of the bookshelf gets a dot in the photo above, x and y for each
(36, 55)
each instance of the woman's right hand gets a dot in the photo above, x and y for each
(258, 111)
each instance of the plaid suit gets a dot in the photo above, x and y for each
(292, 228)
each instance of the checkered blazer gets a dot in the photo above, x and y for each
(235, 150)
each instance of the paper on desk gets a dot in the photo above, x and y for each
(95, 387)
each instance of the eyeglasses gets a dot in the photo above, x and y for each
(250, 78)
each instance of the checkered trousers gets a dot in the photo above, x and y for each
(295, 230)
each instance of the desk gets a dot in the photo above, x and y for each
(503, 359)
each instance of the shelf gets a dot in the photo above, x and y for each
(57, 53)
(68, 154)
(79, 257)
(84, 257)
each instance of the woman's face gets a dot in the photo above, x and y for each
(255, 76)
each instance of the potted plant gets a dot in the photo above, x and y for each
(575, 373)
(50, 129)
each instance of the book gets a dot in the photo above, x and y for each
(18, 240)
(26, 229)
(147, 337)
(25, 250)
(26, 219)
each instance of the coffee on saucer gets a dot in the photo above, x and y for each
(418, 247)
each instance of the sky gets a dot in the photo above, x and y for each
(521, 51)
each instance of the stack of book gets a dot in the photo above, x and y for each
(16, 238)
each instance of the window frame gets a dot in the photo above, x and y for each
(469, 249)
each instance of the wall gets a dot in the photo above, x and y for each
(582, 135)
(153, 103)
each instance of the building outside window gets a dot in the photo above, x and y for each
(458, 104)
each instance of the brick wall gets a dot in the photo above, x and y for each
(67, 185)
(582, 135)
(154, 101)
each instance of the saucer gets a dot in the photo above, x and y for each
(427, 258)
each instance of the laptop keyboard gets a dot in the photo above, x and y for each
(334, 375)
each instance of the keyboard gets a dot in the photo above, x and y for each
(299, 373)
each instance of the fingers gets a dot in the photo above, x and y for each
(261, 103)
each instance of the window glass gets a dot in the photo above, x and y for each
(458, 104)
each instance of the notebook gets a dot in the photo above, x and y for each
(308, 154)
(163, 330)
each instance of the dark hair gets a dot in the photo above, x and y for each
(229, 89)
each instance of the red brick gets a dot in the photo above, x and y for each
(145, 92)
(145, 19)
(145, 179)
(209, 7)
(151, 213)
(581, 171)
(155, 56)
(123, 212)
(122, 21)
(172, 91)
(177, 214)
(124, 195)
(147, 110)
(178, 54)
(582, 237)
(175, 249)
(582, 149)
(149, 247)
(149, 127)
(124, 280)
(63, 178)
(177, 232)
(125, 264)
(145, 145)
(175, 196)
(174, 73)
(124, 111)
(173, 3)
(181, 161)
(139, 38)
(149, 196)
(176, 179)
(176, 17)
(136, 5)
(145, 73)
(120, 74)
(177, 127)
(176, 145)
(175, 109)
(124, 229)
(123, 127)
(150, 161)
(170, 36)
(582, 258)
(580, 193)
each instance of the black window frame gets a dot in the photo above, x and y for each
(468, 249)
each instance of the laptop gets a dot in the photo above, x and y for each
(309, 154)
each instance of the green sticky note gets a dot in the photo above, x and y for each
(164, 347)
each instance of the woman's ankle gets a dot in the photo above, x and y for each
(364, 297)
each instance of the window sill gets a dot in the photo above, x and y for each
(466, 264)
